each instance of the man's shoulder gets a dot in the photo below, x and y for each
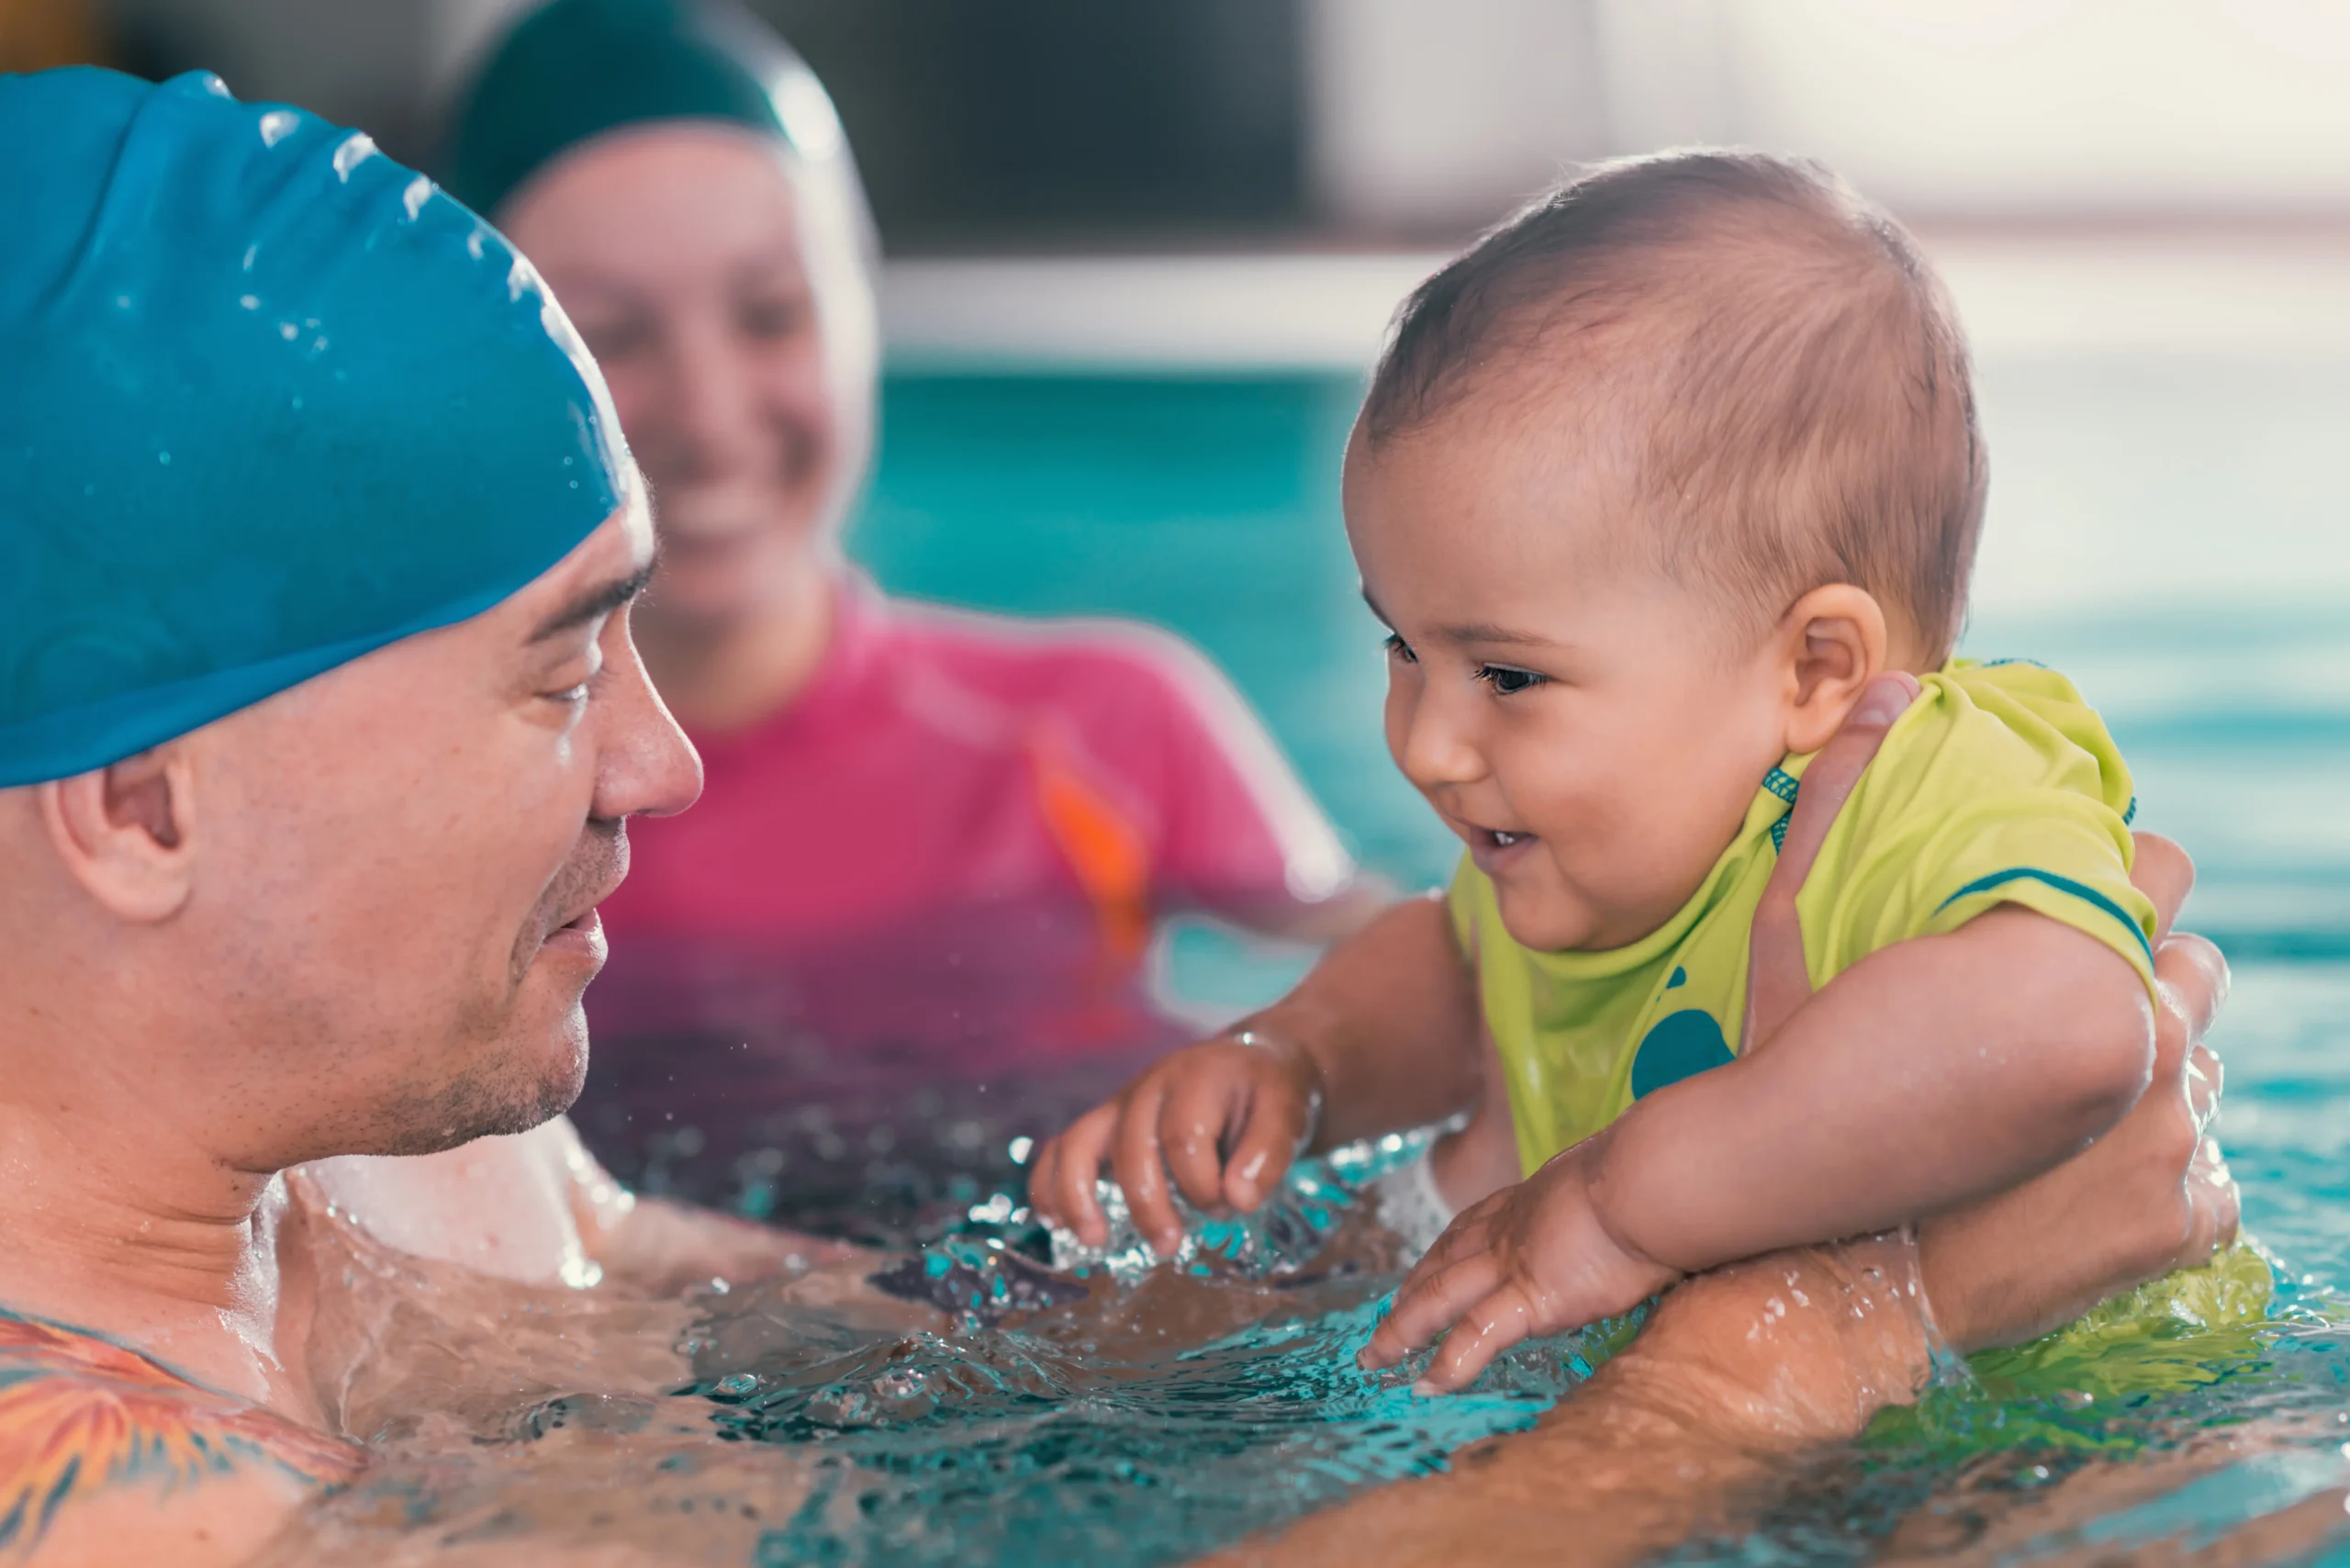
(84, 1420)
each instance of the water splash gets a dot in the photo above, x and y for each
(1285, 1234)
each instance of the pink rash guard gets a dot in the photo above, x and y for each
(944, 860)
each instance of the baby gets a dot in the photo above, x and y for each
(1667, 484)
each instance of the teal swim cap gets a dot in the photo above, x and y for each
(575, 69)
(268, 401)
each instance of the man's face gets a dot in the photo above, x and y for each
(401, 861)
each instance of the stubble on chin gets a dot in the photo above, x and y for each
(504, 1090)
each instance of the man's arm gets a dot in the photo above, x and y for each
(658, 1246)
(106, 1458)
(1733, 1377)
(1723, 1386)
(1932, 1074)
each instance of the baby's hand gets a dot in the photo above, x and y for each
(1225, 1117)
(1531, 1259)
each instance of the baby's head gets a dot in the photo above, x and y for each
(1649, 484)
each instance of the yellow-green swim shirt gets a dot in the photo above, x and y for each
(1999, 785)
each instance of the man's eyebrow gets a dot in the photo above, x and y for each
(598, 601)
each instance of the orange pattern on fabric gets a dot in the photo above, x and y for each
(1106, 849)
(76, 1411)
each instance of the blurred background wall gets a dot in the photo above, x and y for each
(1141, 253)
(1020, 124)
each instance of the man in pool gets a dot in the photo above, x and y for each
(319, 730)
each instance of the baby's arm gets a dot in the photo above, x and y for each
(1381, 1036)
(1933, 1072)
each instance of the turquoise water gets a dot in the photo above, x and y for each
(2128, 500)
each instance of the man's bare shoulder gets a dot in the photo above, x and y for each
(103, 1451)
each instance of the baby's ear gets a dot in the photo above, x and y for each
(1833, 643)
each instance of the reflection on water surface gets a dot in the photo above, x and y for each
(2159, 531)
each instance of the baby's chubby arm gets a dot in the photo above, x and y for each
(1381, 1036)
(1933, 1072)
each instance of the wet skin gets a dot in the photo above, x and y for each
(356, 918)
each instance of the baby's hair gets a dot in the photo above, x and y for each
(1771, 352)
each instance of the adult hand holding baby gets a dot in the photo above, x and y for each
(1538, 1258)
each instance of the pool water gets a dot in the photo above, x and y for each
(2163, 531)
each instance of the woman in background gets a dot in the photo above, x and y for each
(933, 846)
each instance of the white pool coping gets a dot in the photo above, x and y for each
(1315, 312)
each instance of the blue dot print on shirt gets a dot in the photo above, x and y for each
(1683, 1044)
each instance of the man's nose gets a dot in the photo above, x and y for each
(648, 768)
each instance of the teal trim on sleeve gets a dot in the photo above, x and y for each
(1785, 786)
(2081, 890)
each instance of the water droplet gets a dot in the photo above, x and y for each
(250, 302)
(355, 149)
(288, 330)
(165, 458)
(277, 125)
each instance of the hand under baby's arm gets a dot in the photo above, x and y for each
(1933, 1072)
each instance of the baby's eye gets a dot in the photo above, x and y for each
(1398, 648)
(1507, 680)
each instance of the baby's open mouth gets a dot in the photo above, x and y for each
(1491, 848)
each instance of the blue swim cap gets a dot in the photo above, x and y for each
(268, 401)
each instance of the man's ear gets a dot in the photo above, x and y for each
(125, 833)
(1832, 643)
